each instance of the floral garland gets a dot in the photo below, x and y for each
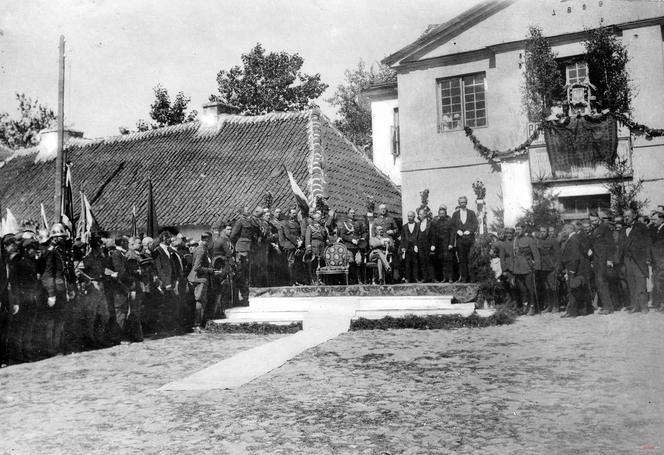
(637, 128)
(492, 156)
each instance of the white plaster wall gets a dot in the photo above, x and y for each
(382, 112)
(511, 24)
(517, 189)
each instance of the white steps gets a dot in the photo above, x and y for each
(288, 310)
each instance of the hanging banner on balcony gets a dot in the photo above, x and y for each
(581, 142)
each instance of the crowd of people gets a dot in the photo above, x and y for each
(606, 263)
(62, 294)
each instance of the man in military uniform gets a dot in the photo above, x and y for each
(223, 256)
(199, 277)
(525, 256)
(353, 233)
(22, 293)
(290, 240)
(382, 247)
(546, 270)
(59, 282)
(245, 234)
(315, 241)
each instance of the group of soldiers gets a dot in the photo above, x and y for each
(602, 262)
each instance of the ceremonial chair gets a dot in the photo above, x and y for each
(336, 261)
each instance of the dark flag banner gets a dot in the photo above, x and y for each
(153, 225)
(67, 215)
(581, 142)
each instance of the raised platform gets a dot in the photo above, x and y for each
(461, 292)
(304, 304)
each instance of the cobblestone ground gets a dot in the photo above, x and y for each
(543, 385)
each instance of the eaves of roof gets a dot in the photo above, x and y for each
(448, 30)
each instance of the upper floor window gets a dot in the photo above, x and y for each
(576, 72)
(462, 102)
(396, 143)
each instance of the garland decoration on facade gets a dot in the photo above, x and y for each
(492, 156)
(638, 128)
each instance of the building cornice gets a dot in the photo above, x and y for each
(489, 52)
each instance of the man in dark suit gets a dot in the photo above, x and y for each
(163, 266)
(603, 253)
(572, 259)
(409, 233)
(443, 236)
(425, 246)
(658, 260)
(465, 225)
(636, 252)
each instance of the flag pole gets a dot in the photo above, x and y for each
(60, 158)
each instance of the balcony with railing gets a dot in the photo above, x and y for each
(541, 169)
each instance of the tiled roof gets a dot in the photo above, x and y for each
(202, 173)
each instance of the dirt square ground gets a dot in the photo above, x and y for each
(543, 385)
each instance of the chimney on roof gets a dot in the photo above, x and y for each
(48, 142)
(214, 110)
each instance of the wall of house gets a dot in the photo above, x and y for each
(446, 162)
(453, 162)
(382, 119)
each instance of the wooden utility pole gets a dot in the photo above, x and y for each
(60, 158)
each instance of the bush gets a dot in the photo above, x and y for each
(481, 271)
(432, 322)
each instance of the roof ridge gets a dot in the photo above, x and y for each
(317, 183)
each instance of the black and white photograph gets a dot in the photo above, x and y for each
(317, 227)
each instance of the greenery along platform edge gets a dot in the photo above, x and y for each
(430, 322)
(258, 328)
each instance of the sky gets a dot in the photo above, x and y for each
(117, 51)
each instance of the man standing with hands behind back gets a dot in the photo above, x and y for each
(464, 222)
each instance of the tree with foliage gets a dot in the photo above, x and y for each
(623, 190)
(542, 76)
(165, 112)
(24, 131)
(268, 82)
(543, 211)
(353, 108)
(607, 69)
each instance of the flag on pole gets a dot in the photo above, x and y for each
(153, 225)
(10, 225)
(44, 220)
(80, 225)
(134, 228)
(67, 215)
(299, 194)
(86, 222)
